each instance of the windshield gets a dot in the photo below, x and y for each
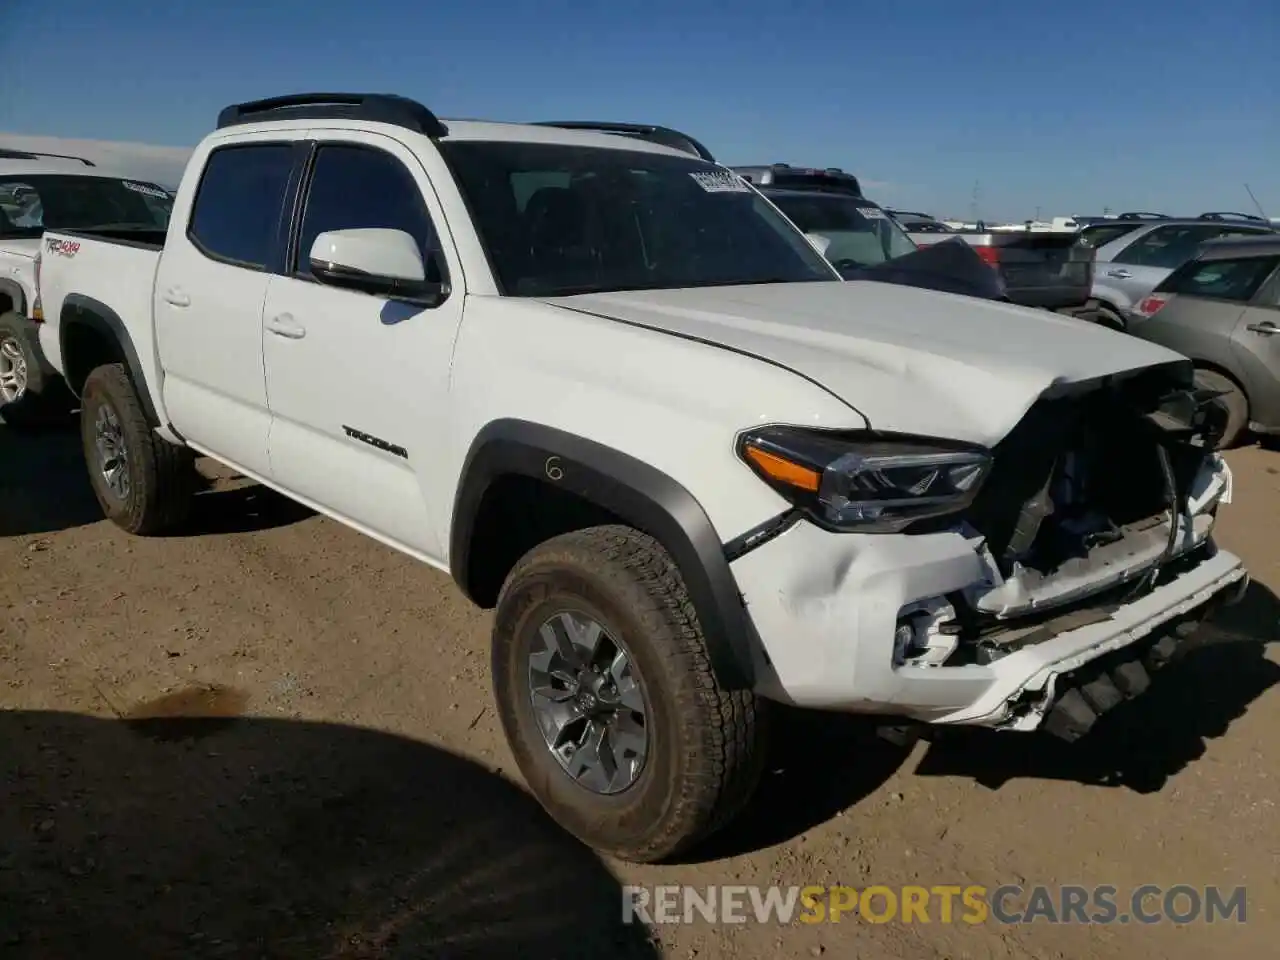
(557, 219)
(860, 234)
(31, 204)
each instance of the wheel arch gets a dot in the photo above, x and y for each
(90, 333)
(13, 298)
(622, 489)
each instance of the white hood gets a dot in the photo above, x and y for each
(908, 360)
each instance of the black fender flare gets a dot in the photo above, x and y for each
(78, 309)
(639, 494)
(14, 291)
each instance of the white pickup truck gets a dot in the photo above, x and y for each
(622, 400)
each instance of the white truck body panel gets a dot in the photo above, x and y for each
(280, 377)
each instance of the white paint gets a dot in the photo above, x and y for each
(272, 373)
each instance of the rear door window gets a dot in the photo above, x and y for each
(1229, 279)
(238, 204)
(1167, 247)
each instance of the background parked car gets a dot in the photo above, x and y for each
(828, 204)
(920, 222)
(1222, 309)
(1135, 252)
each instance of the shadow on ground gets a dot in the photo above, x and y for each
(44, 488)
(822, 764)
(43, 484)
(165, 835)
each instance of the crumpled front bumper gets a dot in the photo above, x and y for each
(825, 608)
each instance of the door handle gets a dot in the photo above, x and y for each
(1119, 274)
(1266, 328)
(283, 325)
(176, 297)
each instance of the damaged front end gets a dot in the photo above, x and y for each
(1101, 493)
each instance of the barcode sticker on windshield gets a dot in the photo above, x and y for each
(144, 189)
(721, 182)
(872, 213)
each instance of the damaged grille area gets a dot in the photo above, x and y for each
(1083, 495)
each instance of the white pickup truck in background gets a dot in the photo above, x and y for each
(40, 191)
(623, 401)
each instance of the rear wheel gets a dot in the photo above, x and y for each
(607, 697)
(143, 483)
(1233, 401)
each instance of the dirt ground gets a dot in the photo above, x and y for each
(274, 738)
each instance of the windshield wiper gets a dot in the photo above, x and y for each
(748, 282)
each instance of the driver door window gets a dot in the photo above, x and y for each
(355, 187)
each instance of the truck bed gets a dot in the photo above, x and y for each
(116, 268)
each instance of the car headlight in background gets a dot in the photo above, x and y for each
(866, 484)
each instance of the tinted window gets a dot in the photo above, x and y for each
(1166, 247)
(606, 219)
(357, 187)
(1221, 279)
(1099, 235)
(238, 203)
(30, 205)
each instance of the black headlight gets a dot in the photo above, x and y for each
(861, 483)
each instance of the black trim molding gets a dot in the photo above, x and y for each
(639, 494)
(78, 309)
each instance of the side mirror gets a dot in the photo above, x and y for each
(377, 261)
(819, 242)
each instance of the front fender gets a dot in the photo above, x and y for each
(638, 493)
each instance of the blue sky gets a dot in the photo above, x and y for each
(1067, 107)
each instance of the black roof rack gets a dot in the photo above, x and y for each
(783, 176)
(9, 154)
(1140, 215)
(373, 107)
(1227, 215)
(665, 136)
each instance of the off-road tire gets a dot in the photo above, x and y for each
(162, 476)
(1233, 400)
(707, 744)
(46, 396)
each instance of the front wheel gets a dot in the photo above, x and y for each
(30, 390)
(143, 483)
(605, 691)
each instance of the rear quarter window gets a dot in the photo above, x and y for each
(1228, 279)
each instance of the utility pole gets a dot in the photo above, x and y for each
(973, 204)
